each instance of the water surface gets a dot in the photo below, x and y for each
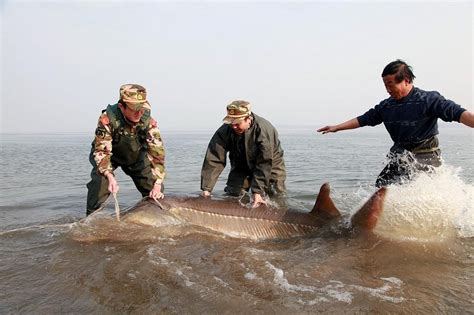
(419, 260)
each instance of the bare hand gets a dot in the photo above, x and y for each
(113, 186)
(156, 193)
(205, 193)
(258, 200)
(327, 129)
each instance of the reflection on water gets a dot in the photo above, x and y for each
(420, 260)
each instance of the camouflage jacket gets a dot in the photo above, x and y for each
(263, 155)
(118, 143)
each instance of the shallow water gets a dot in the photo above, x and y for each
(419, 260)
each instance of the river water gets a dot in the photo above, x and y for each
(420, 258)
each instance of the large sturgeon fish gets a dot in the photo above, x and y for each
(231, 218)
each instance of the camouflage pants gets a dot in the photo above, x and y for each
(403, 166)
(97, 188)
(238, 182)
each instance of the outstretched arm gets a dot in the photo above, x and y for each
(467, 118)
(350, 124)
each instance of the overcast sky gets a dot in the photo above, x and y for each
(298, 63)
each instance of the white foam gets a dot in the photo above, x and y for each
(185, 278)
(283, 283)
(250, 276)
(222, 282)
(383, 291)
(337, 290)
(155, 259)
(109, 248)
(431, 208)
(393, 280)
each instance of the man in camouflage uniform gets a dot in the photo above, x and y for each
(126, 136)
(255, 155)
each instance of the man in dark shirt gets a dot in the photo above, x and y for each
(255, 155)
(410, 116)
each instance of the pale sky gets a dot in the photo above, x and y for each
(299, 63)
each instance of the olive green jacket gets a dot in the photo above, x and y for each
(264, 155)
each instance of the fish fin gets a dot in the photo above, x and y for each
(324, 205)
(368, 215)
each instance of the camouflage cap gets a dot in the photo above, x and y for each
(134, 96)
(237, 111)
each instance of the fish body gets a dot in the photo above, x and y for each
(229, 217)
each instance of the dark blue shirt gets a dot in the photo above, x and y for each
(414, 118)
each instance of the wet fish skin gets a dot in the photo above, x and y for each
(229, 217)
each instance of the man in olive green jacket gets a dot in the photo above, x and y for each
(255, 155)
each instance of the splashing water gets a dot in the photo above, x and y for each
(433, 207)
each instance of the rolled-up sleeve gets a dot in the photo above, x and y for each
(103, 145)
(156, 152)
